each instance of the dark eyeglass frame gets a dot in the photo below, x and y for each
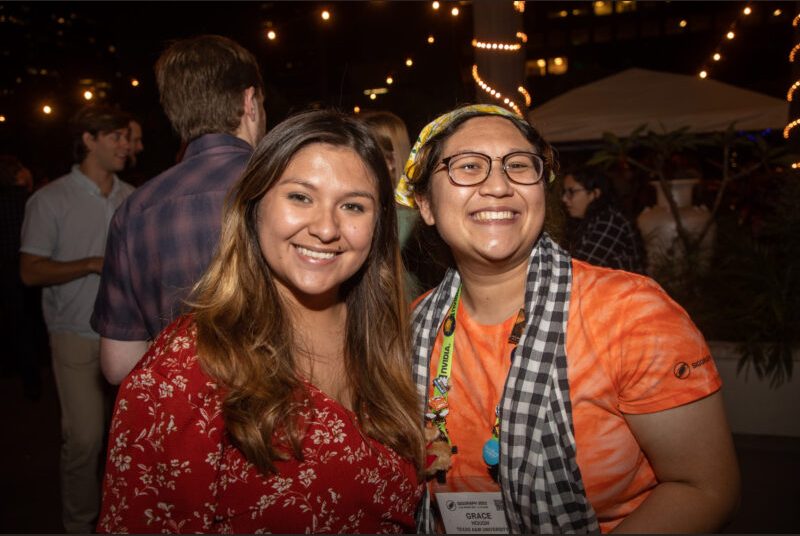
(503, 159)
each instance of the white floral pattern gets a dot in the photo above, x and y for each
(171, 468)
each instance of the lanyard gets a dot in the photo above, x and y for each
(438, 407)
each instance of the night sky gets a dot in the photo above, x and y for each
(54, 51)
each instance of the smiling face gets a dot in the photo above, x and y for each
(108, 150)
(494, 224)
(315, 225)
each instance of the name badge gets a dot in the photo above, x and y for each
(472, 512)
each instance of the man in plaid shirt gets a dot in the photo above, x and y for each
(162, 239)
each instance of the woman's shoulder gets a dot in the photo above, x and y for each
(608, 284)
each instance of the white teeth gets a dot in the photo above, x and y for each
(490, 216)
(315, 254)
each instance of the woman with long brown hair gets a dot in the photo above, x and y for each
(282, 402)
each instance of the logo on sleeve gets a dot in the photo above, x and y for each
(682, 370)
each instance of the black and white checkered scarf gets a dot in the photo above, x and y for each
(538, 474)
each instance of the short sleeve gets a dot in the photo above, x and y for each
(116, 315)
(39, 234)
(164, 450)
(662, 360)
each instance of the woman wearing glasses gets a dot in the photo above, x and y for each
(603, 236)
(585, 393)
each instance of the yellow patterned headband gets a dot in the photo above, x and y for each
(404, 192)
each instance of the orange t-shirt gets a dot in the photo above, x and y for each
(630, 349)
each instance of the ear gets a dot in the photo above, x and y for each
(596, 193)
(88, 140)
(250, 103)
(424, 205)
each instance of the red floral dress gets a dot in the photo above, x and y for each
(171, 467)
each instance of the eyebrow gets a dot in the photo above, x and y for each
(311, 186)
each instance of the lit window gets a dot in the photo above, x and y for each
(557, 65)
(603, 7)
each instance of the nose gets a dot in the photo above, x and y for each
(325, 225)
(497, 184)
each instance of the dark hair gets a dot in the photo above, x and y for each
(593, 179)
(201, 81)
(95, 119)
(245, 338)
(10, 165)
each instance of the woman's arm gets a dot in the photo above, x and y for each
(691, 451)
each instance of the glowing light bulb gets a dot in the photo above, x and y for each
(747, 10)
(88, 95)
(389, 80)
(409, 62)
(134, 82)
(372, 96)
(454, 12)
(435, 5)
(730, 35)
(356, 109)
(271, 35)
(431, 40)
(683, 23)
(777, 13)
(47, 109)
(326, 15)
(717, 56)
(2, 119)
(703, 74)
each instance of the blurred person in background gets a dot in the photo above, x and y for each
(18, 310)
(162, 239)
(599, 233)
(62, 244)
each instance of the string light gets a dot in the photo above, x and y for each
(372, 96)
(409, 62)
(728, 36)
(526, 95)
(493, 92)
(271, 35)
(47, 110)
(2, 119)
(510, 47)
(389, 80)
(777, 13)
(790, 93)
(88, 95)
(793, 53)
(431, 40)
(134, 82)
(519, 6)
(435, 5)
(454, 12)
(522, 36)
(789, 128)
(683, 23)
(356, 109)
(326, 15)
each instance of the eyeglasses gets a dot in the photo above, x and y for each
(471, 169)
(569, 192)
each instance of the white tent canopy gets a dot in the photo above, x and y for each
(626, 100)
